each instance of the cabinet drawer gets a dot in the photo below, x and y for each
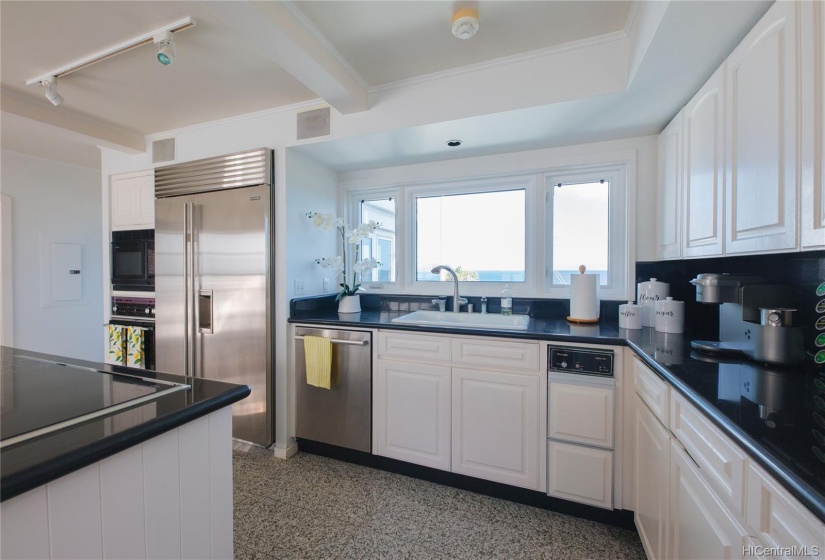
(522, 356)
(653, 391)
(779, 520)
(580, 474)
(580, 413)
(722, 463)
(418, 347)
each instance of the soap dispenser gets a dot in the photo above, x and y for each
(506, 300)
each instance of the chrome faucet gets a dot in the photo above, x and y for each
(458, 301)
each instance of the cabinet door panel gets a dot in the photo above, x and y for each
(703, 183)
(812, 119)
(668, 205)
(652, 390)
(779, 519)
(580, 474)
(580, 413)
(722, 462)
(495, 422)
(652, 463)
(125, 202)
(496, 354)
(699, 525)
(146, 197)
(416, 347)
(411, 417)
(762, 126)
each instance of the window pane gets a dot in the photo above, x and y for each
(381, 244)
(580, 226)
(480, 235)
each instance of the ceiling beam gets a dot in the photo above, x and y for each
(280, 31)
(103, 133)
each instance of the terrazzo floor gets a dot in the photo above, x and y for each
(313, 507)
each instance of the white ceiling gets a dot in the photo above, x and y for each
(248, 56)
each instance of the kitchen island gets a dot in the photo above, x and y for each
(147, 472)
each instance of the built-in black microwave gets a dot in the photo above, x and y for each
(133, 260)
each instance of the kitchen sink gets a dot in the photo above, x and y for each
(465, 320)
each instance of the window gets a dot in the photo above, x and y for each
(481, 235)
(587, 225)
(580, 230)
(381, 244)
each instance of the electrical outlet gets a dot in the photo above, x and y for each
(299, 287)
(326, 285)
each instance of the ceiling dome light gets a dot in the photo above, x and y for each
(50, 85)
(166, 48)
(465, 23)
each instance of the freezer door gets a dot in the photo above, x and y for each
(231, 329)
(171, 322)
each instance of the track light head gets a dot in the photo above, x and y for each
(50, 85)
(166, 48)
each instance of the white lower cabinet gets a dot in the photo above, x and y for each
(580, 474)
(411, 413)
(779, 520)
(495, 426)
(652, 460)
(482, 421)
(699, 526)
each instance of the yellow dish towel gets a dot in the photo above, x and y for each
(318, 354)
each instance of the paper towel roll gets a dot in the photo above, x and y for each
(584, 297)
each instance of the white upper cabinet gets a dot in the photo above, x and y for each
(133, 200)
(812, 132)
(703, 184)
(761, 177)
(669, 193)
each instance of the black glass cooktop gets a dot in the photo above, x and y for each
(40, 396)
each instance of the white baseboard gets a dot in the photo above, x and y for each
(284, 452)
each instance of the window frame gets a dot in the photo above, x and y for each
(352, 216)
(513, 182)
(620, 256)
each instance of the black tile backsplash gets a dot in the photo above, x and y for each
(803, 271)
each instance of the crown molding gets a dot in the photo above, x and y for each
(503, 61)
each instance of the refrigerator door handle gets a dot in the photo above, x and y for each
(192, 294)
(205, 312)
(186, 370)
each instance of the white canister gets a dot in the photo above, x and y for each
(647, 294)
(630, 316)
(670, 316)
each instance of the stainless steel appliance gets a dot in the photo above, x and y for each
(580, 424)
(213, 283)
(133, 260)
(341, 415)
(746, 322)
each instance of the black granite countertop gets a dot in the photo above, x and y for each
(789, 442)
(34, 395)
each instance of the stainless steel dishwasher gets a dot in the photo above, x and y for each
(341, 415)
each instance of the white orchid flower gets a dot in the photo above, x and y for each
(321, 220)
(365, 265)
(335, 264)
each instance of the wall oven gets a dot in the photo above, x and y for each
(133, 260)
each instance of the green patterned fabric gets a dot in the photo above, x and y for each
(116, 352)
(135, 347)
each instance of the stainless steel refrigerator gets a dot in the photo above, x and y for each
(213, 284)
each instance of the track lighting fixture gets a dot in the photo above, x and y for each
(50, 85)
(161, 37)
(166, 48)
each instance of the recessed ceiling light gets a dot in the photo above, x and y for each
(454, 143)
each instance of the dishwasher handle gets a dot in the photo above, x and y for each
(342, 341)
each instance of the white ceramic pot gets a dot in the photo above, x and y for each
(670, 316)
(630, 316)
(350, 304)
(648, 293)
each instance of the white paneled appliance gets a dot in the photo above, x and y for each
(581, 408)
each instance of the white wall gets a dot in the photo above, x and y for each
(54, 202)
(310, 187)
